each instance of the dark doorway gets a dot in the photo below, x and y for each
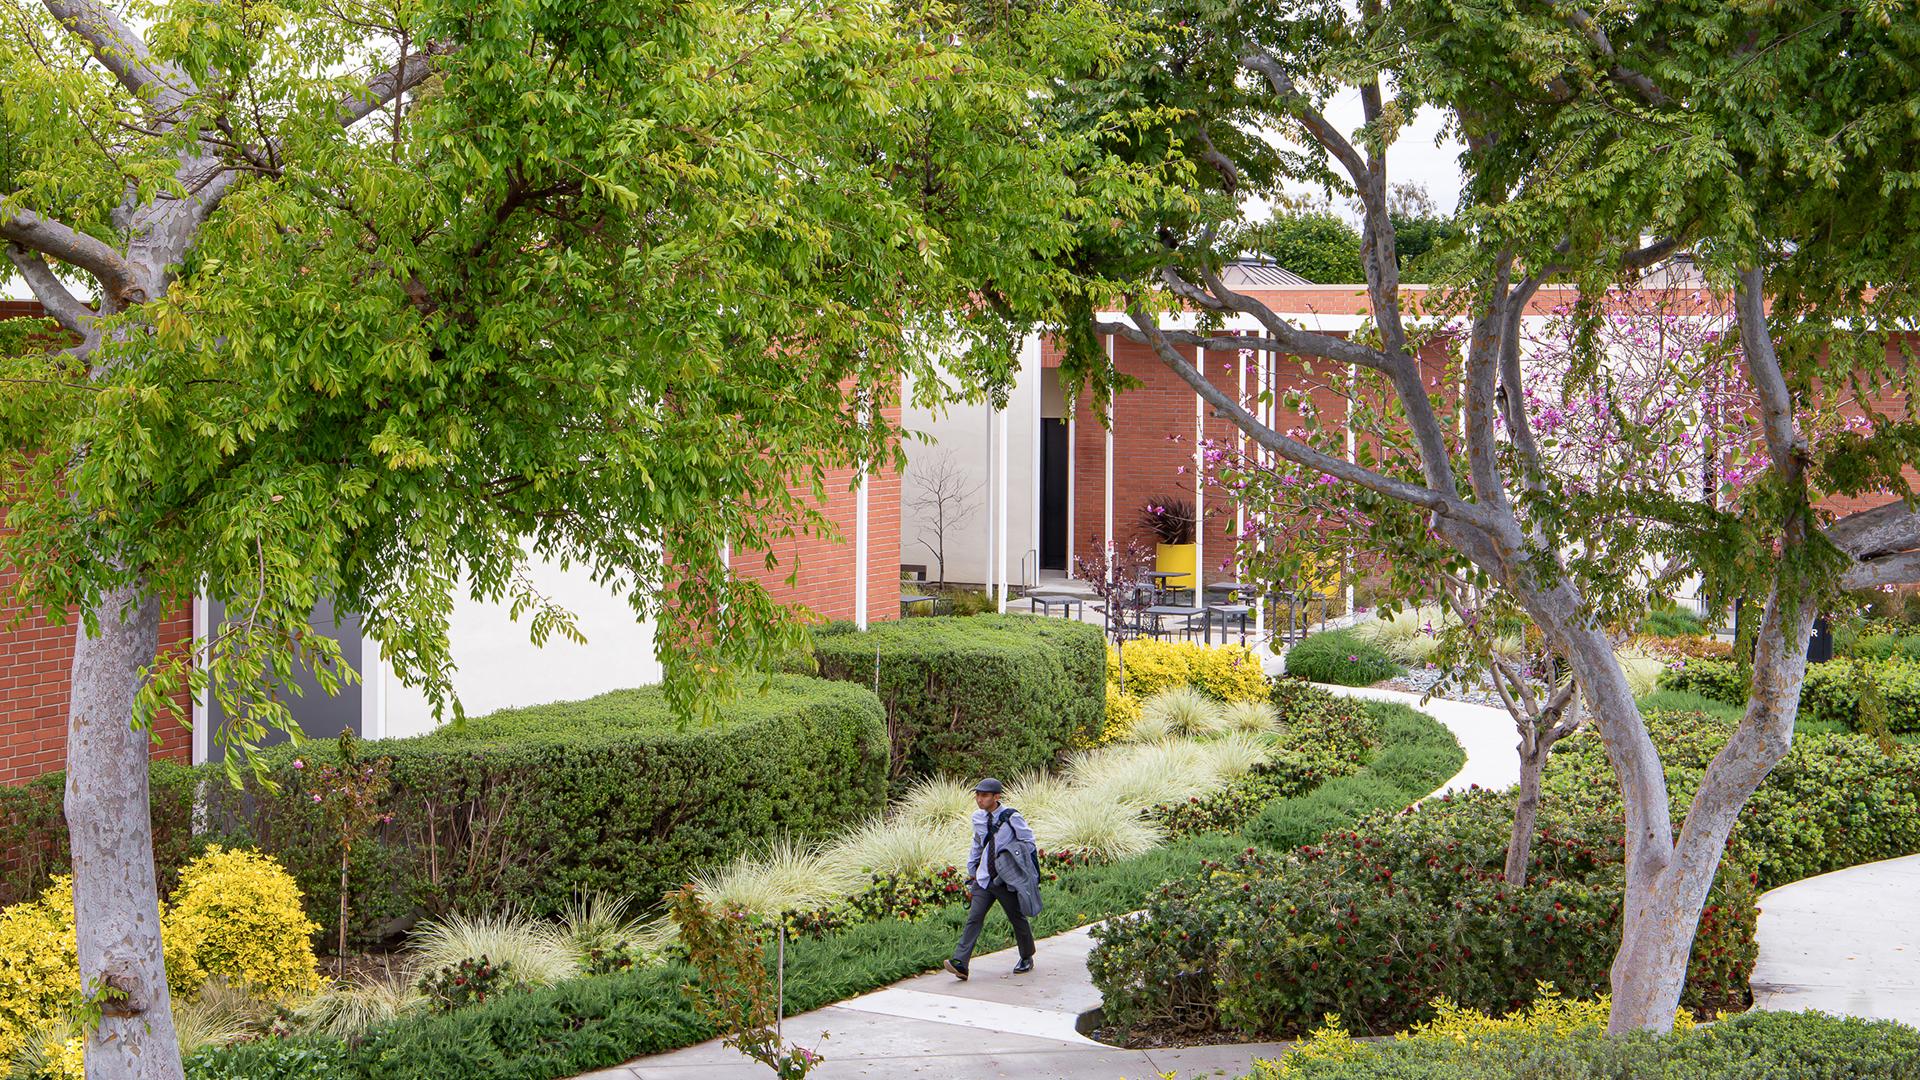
(319, 716)
(1053, 494)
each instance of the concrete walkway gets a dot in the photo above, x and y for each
(934, 1027)
(1487, 735)
(1846, 943)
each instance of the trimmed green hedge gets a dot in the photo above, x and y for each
(33, 829)
(977, 696)
(1341, 657)
(600, 1022)
(1752, 1046)
(528, 806)
(1832, 693)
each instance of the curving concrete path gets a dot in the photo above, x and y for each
(933, 1027)
(1846, 943)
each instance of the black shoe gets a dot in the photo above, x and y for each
(960, 972)
(1023, 966)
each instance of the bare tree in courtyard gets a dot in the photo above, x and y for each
(944, 496)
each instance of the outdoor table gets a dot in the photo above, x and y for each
(1227, 611)
(1066, 602)
(1160, 579)
(1187, 614)
(907, 601)
(1231, 588)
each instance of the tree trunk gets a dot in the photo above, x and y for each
(1526, 810)
(117, 915)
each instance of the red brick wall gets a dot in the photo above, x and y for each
(1153, 444)
(36, 661)
(823, 567)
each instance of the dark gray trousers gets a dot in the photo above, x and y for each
(977, 917)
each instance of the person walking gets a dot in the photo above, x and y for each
(1003, 865)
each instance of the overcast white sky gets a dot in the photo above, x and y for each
(1415, 157)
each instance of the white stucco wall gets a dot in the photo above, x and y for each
(962, 431)
(498, 666)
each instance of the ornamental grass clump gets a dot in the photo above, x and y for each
(899, 848)
(1236, 756)
(1089, 826)
(357, 1006)
(1136, 777)
(1035, 793)
(785, 875)
(936, 801)
(532, 950)
(1182, 711)
(601, 932)
(1251, 717)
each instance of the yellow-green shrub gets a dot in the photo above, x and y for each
(1548, 1012)
(1228, 673)
(238, 916)
(39, 968)
(1122, 711)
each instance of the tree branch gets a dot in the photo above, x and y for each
(1316, 123)
(123, 52)
(382, 89)
(1642, 86)
(1882, 530)
(64, 308)
(1444, 503)
(1902, 568)
(1784, 444)
(68, 245)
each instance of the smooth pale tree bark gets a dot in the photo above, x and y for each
(1541, 724)
(115, 896)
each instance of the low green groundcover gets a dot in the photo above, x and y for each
(1752, 1046)
(598, 1022)
(1856, 695)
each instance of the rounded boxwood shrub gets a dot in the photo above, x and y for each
(529, 807)
(977, 696)
(1341, 657)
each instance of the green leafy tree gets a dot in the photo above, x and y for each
(1600, 144)
(1318, 245)
(391, 298)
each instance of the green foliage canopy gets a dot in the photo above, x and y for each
(615, 284)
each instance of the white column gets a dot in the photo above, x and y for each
(373, 689)
(1039, 428)
(1353, 388)
(860, 535)
(1199, 489)
(1239, 454)
(1107, 536)
(1000, 559)
(1264, 411)
(986, 553)
(1073, 483)
(203, 633)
